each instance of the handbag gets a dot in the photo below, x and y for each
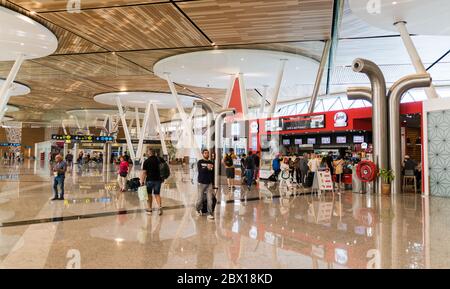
(142, 193)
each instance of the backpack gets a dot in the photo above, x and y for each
(228, 161)
(164, 170)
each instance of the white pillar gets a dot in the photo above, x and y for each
(160, 131)
(415, 57)
(75, 152)
(184, 119)
(64, 128)
(243, 96)
(143, 130)
(125, 129)
(66, 149)
(5, 89)
(263, 100)
(138, 123)
(229, 91)
(276, 92)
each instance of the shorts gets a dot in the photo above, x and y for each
(154, 187)
(230, 173)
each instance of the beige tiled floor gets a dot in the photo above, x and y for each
(253, 229)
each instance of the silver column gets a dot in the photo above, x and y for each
(320, 71)
(217, 132)
(395, 94)
(359, 93)
(209, 121)
(380, 113)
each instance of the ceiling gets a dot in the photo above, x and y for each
(112, 46)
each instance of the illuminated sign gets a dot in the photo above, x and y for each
(6, 144)
(304, 122)
(82, 138)
(340, 119)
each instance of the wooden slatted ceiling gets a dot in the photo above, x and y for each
(98, 64)
(61, 5)
(250, 21)
(128, 28)
(68, 42)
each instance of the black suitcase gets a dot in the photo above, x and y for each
(133, 184)
(205, 205)
(309, 180)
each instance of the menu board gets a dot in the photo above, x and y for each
(311, 141)
(303, 122)
(298, 141)
(273, 125)
(286, 142)
(326, 140)
(341, 139)
(358, 139)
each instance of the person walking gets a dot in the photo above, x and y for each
(228, 161)
(243, 168)
(59, 173)
(151, 177)
(297, 172)
(205, 168)
(276, 166)
(249, 171)
(339, 170)
(257, 165)
(122, 173)
(304, 167)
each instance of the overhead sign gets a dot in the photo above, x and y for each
(304, 122)
(6, 144)
(273, 125)
(82, 138)
(254, 127)
(340, 119)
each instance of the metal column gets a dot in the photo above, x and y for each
(323, 62)
(273, 102)
(218, 132)
(160, 131)
(380, 112)
(395, 94)
(148, 109)
(415, 57)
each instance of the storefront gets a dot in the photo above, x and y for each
(347, 133)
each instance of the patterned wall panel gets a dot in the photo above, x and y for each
(439, 152)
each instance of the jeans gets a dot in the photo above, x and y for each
(59, 180)
(153, 187)
(204, 190)
(249, 176)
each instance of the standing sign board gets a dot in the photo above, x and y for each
(325, 181)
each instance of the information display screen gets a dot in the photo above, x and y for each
(312, 141)
(82, 138)
(341, 139)
(326, 140)
(304, 122)
(358, 139)
(298, 141)
(286, 142)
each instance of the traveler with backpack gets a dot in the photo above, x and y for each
(122, 174)
(249, 172)
(205, 169)
(228, 161)
(151, 177)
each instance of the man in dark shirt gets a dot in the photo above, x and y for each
(205, 169)
(257, 162)
(151, 177)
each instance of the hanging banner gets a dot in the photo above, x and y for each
(304, 122)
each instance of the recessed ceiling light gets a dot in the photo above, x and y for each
(213, 44)
(394, 3)
(242, 59)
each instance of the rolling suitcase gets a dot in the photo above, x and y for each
(309, 180)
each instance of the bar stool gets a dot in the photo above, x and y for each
(409, 179)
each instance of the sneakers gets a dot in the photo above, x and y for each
(160, 211)
(210, 217)
(54, 199)
(199, 213)
(148, 211)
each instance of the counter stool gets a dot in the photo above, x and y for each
(409, 179)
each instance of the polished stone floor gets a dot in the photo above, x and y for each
(98, 227)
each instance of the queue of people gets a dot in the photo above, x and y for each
(301, 169)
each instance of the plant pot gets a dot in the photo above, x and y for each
(386, 189)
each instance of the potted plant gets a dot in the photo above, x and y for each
(387, 176)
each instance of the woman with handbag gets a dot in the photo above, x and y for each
(122, 174)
